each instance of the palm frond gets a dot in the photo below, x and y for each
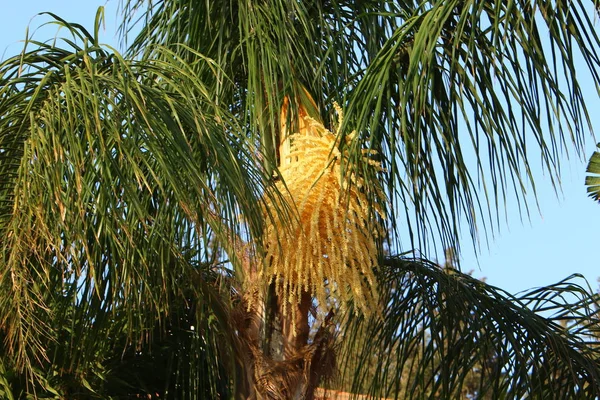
(429, 85)
(119, 177)
(484, 81)
(447, 335)
(592, 181)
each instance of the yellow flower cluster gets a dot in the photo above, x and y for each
(329, 247)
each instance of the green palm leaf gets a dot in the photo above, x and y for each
(592, 181)
(120, 179)
(444, 334)
(452, 94)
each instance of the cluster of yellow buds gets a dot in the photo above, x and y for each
(328, 247)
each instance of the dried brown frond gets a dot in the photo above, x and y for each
(297, 375)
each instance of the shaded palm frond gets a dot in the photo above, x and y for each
(447, 335)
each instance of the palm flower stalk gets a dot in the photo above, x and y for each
(330, 247)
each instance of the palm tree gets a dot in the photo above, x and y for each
(233, 205)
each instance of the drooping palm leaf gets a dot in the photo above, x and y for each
(118, 178)
(447, 335)
(454, 95)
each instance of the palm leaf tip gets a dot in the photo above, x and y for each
(331, 247)
(592, 181)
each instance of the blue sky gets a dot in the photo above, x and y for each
(557, 240)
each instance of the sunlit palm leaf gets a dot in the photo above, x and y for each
(119, 178)
(456, 82)
(592, 181)
(454, 95)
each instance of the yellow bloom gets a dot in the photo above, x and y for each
(330, 249)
